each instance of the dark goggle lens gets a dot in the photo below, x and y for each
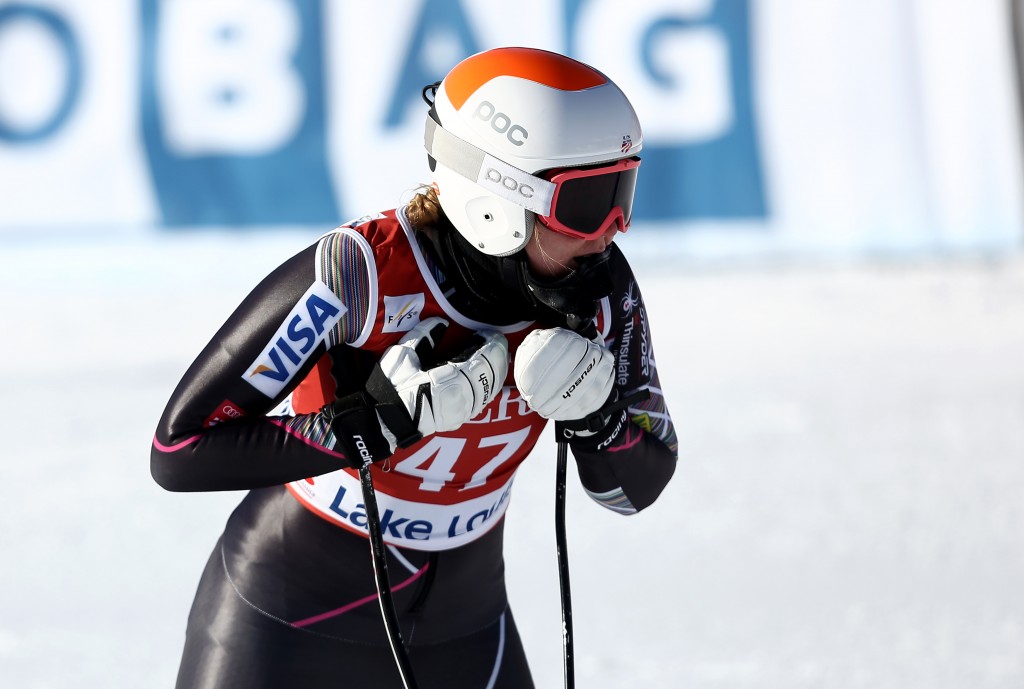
(584, 203)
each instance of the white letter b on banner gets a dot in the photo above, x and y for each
(225, 78)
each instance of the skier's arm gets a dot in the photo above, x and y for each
(620, 434)
(607, 399)
(214, 434)
(627, 464)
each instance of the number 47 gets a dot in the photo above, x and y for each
(436, 460)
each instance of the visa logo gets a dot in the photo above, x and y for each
(305, 327)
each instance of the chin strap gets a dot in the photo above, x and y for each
(571, 301)
(474, 272)
(575, 296)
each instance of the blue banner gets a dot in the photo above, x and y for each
(233, 113)
(697, 66)
(299, 112)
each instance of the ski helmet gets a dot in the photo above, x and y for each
(501, 116)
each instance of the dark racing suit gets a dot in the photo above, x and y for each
(287, 598)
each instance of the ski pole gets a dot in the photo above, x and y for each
(593, 422)
(378, 556)
(563, 565)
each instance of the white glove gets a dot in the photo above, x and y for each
(563, 375)
(444, 397)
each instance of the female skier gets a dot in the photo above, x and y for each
(435, 341)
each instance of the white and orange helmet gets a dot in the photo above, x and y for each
(519, 134)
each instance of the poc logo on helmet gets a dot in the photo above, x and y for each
(524, 190)
(501, 123)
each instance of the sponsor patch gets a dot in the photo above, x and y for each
(404, 523)
(305, 327)
(630, 300)
(402, 313)
(224, 411)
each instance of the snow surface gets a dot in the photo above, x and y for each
(846, 512)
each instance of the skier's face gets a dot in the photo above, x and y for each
(552, 254)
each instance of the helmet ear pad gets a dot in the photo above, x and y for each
(491, 224)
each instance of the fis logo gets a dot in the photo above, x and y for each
(306, 326)
(402, 313)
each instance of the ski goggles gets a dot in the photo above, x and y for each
(580, 202)
(587, 201)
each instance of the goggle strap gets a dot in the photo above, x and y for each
(496, 176)
(456, 154)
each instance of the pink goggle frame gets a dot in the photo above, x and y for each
(588, 201)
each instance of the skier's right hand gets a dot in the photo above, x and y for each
(444, 397)
(407, 398)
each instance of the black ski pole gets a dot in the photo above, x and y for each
(563, 565)
(378, 556)
(593, 422)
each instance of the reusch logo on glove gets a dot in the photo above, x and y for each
(486, 385)
(572, 388)
(306, 326)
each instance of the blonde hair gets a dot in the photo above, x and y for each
(424, 210)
